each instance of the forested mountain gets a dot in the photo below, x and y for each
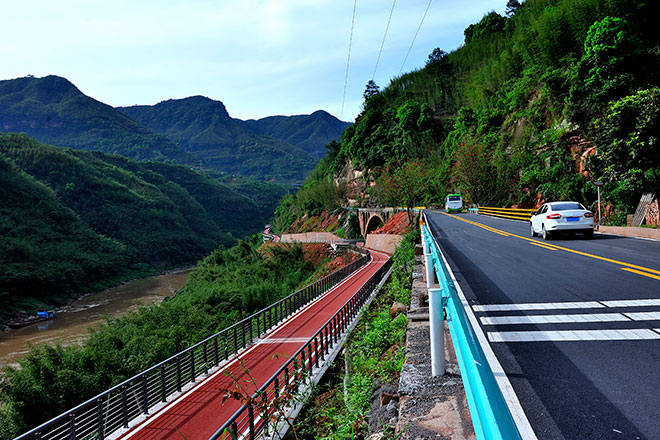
(72, 219)
(280, 148)
(533, 106)
(309, 132)
(54, 111)
(203, 127)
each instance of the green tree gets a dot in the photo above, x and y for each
(492, 23)
(628, 157)
(609, 69)
(475, 172)
(406, 186)
(370, 90)
(511, 7)
(436, 56)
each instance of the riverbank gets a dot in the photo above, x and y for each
(21, 318)
(73, 321)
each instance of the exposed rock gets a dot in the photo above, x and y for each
(397, 308)
(411, 380)
(384, 408)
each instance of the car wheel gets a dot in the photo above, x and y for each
(546, 234)
(589, 234)
(533, 232)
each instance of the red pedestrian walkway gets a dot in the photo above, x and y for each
(199, 413)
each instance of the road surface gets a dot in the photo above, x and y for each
(575, 323)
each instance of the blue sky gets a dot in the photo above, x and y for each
(260, 57)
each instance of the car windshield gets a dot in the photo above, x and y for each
(566, 206)
(454, 198)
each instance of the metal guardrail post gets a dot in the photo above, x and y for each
(178, 373)
(72, 426)
(251, 420)
(264, 417)
(124, 407)
(163, 390)
(99, 418)
(192, 366)
(243, 334)
(436, 327)
(145, 396)
(430, 273)
(205, 357)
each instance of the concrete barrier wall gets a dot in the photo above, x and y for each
(383, 242)
(311, 237)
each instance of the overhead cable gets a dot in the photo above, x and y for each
(348, 60)
(383, 43)
(415, 37)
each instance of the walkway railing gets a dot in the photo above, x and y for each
(491, 416)
(115, 408)
(265, 409)
(512, 213)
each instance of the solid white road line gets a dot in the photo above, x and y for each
(559, 319)
(633, 303)
(573, 335)
(537, 306)
(566, 305)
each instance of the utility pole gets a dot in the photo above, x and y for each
(597, 184)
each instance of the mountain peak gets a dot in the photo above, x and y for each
(46, 90)
(204, 102)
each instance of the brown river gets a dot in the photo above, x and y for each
(72, 322)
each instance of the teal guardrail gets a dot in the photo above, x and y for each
(491, 416)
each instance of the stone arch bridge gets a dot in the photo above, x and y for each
(372, 218)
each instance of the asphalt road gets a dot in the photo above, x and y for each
(199, 413)
(565, 320)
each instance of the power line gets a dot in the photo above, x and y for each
(415, 37)
(348, 60)
(383, 43)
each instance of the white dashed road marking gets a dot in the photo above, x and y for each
(567, 318)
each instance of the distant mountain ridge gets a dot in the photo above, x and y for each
(52, 110)
(289, 145)
(203, 127)
(186, 131)
(309, 132)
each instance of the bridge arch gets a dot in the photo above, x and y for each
(374, 222)
(372, 218)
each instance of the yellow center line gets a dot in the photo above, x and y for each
(544, 246)
(639, 272)
(573, 251)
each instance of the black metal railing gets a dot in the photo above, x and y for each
(115, 408)
(252, 419)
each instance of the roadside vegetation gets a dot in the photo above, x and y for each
(226, 286)
(375, 353)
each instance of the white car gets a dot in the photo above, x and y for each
(556, 217)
